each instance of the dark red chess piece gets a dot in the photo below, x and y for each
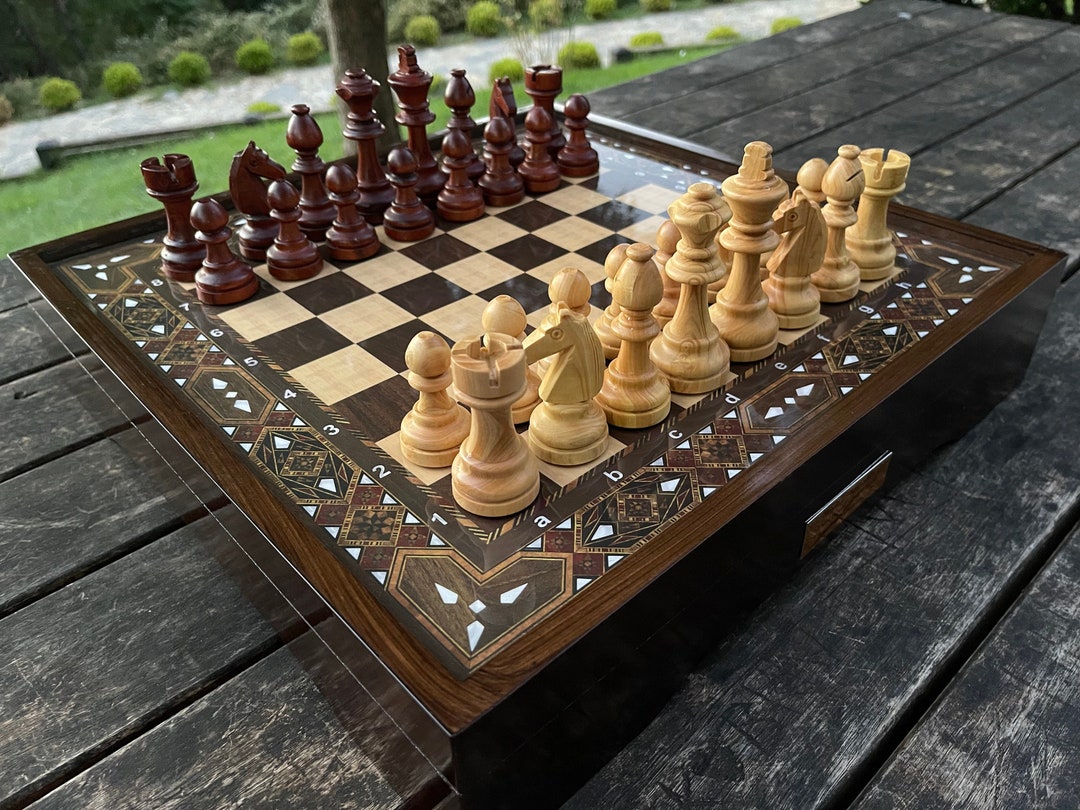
(172, 182)
(460, 98)
(460, 200)
(577, 158)
(539, 170)
(358, 90)
(507, 108)
(304, 137)
(293, 256)
(411, 84)
(500, 184)
(350, 237)
(543, 83)
(250, 169)
(223, 277)
(407, 219)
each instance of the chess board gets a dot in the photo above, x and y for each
(292, 401)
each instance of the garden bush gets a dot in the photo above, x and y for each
(579, 55)
(647, 39)
(450, 14)
(781, 24)
(483, 19)
(189, 69)
(422, 30)
(121, 79)
(23, 93)
(545, 14)
(304, 49)
(263, 107)
(7, 111)
(600, 9)
(255, 57)
(508, 66)
(653, 6)
(722, 32)
(57, 95)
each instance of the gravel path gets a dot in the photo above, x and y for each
(211, 106)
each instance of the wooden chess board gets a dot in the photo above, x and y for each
(292, 402)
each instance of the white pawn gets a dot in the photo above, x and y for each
(434, 429)
(505, 315)
(667, 238)
(612, 263)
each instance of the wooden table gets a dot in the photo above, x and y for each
(215, 691)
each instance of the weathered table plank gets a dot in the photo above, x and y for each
(800, 708)
(15, 290)
(30, 334)
(1006, 733)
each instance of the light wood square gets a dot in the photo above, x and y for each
(388, 270)
(342, 374)
(428, 475)
(593, 271)
(565, 475)
(393, 244)
(652, 198)
(870, 286)
(488, 232)
(478, 272)
(644, 231)
(459, 320)
(535, 317)
(574, 199)
(263, 272)
(264, 316)
(366, 317)
(789, 336)
(572, 233)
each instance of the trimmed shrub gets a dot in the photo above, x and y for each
(23, 95)
(121, 79)
(600, 9)
(483, 19)
(304, 49)
(255, 57)
(189, 69)
(545, 14)
(422, 30)
(579, 55)
(7, 112)
(508, 66)
(781, 24)
(450, 14)
(647, 39)
(264, 107)
(722, 32)
(57, 95)
(653, 6)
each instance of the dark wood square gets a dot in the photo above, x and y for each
(529, 291)
(389, 346)
(598, 251)
(302, 343)
(527, 252)
(425, 293)
(324, 294)
(378, 410)
(614, 215)
(532, 216)
(438, 251)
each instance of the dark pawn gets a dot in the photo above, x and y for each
(500, 183)
(293, 256)
(460, 200)
(543, 83)
(223, 278)
(350, 237)
(304, 137)
(172, 182)
(459, 97)
(407, 219)
(508, 109)
(358, 90)
(539, 171)
(577, 158)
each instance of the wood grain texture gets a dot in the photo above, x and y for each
(15, 290)
(1005, 733)
(92, 665)
(790, 710)
(30, 337)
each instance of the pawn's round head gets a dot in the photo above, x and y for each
(667, 237)
(571, 287)
(427, 355)
(208, 215)
(401, 161)
(283, 196)
(811, 173)
(577, 106)
(504, 314)
(340, 179)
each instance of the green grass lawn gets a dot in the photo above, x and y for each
(92, 190)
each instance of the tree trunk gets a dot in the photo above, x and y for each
(357, 33)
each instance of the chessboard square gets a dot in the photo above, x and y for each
(615, 183)
(341, 374)
(488, 232)
(425, 294)
(393, 244)
(788, 336)
(614, 215)
(427, 475)
(263, 272)
(530, 292)
(686, 401)
(389, 346)
(438, 251)
(527, 252)
(386, 270)
(536, 316)
(459, 320)
(365, 318)
(566, 475)
(531, 216)
(574, 199)
(300, 344)
(328, 292)
(264, 316)
(645, 230)
(572, 233)
(651, 197)
(378, 410)
(594, 271)
(598, 251)
(478, 272)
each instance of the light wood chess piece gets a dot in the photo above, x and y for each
(689, 351)
(667, 238)
(741, 312)
(494, 473)
(505, 315)
(434, 429)
(802, 247)
(869, 240)
(569, 287)
(838, 278)
(602, 326)
(634, 394)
